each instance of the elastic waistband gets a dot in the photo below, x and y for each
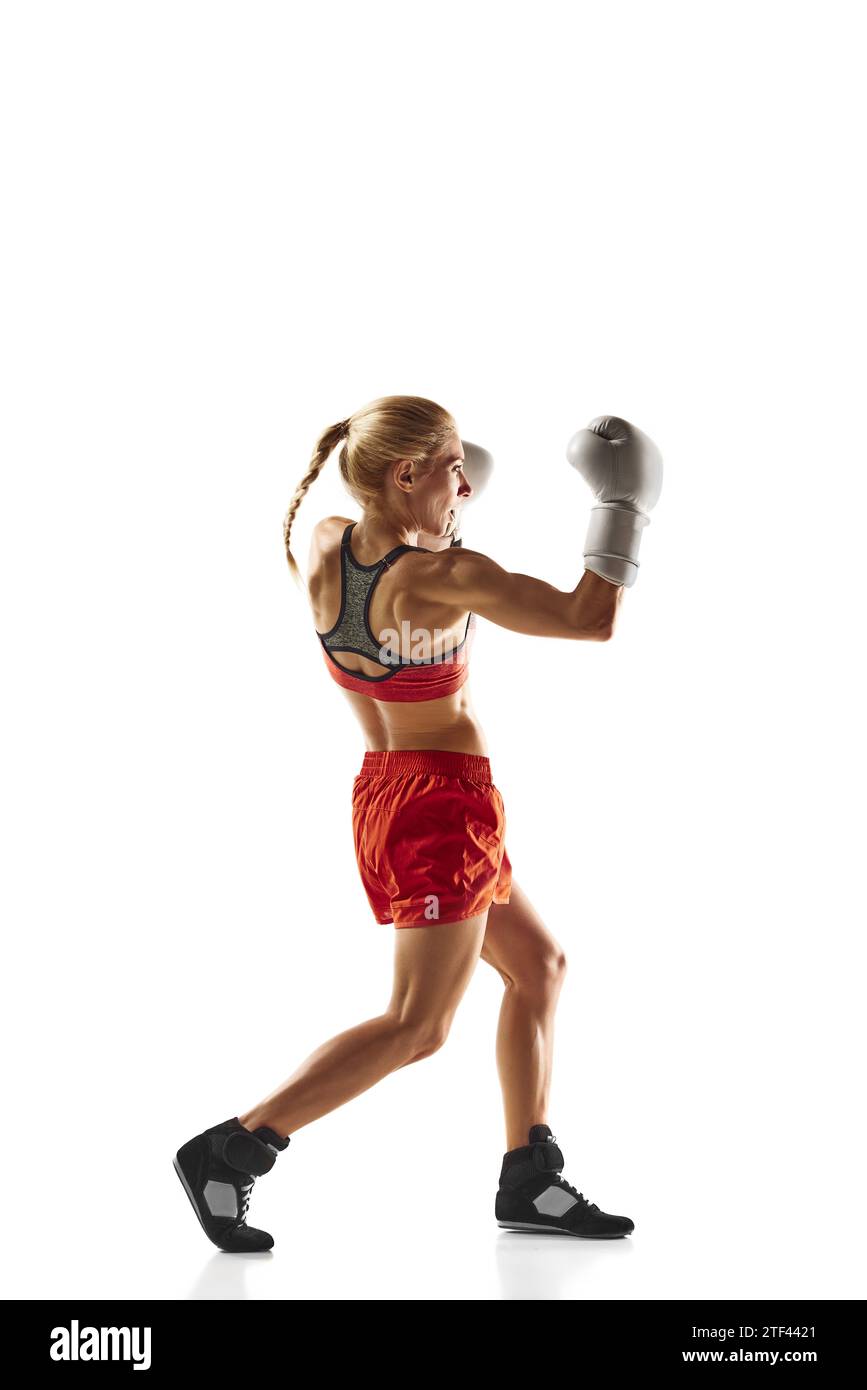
(400, 761)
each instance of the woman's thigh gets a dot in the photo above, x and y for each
(518, 944)
(432, 967)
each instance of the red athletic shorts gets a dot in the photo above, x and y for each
(429, 833)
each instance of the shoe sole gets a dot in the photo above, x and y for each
(559, 1231)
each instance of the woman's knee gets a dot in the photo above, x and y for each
(430, 1040)
(423, 1037)
(543, 973)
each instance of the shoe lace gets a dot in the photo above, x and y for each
(591, 1206)
(244, 1191)
(579, 1196)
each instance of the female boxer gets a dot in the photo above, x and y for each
(393, 598)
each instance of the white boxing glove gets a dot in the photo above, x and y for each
(478, 467)
(624, 469)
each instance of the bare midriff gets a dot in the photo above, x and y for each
(446, 724)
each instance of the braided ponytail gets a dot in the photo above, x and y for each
(327, 442)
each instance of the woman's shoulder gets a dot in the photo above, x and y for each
(324, 540)
(329, 524)
(327, 534)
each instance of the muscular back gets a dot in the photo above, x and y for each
(400, 597)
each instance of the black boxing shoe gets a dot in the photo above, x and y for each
(218, 1169)
(533, 1197)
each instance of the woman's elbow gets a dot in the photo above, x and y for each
(593, 622)
(600, 632)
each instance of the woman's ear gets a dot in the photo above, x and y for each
(404, 474)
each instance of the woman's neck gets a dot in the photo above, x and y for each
(376, 534)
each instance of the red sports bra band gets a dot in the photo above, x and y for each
(406, 684)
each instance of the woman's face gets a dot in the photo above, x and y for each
(440, 494)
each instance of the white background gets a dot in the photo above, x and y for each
(228, 226)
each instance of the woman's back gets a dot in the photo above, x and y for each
(360, 606)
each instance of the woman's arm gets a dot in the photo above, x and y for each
(467, 579)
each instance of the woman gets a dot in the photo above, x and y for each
(393, 597)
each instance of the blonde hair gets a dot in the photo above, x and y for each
(375, 438)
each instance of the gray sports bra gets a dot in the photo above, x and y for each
(352, 631)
